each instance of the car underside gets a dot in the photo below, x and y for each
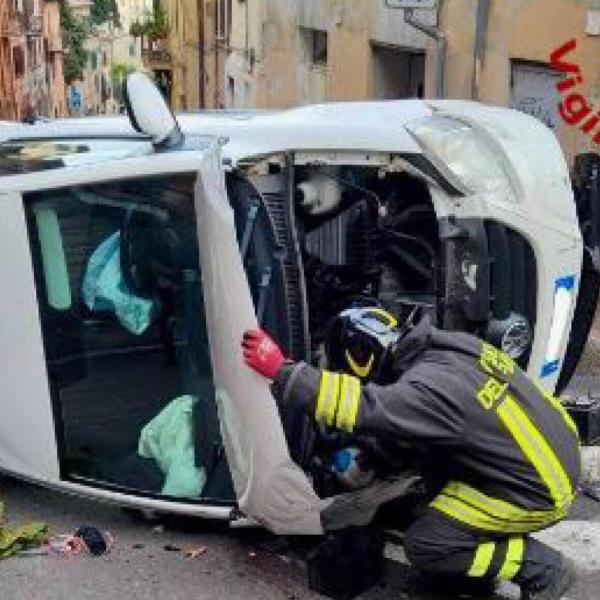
(318, 237)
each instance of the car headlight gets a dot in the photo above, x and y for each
(564, 294)
(466, 153)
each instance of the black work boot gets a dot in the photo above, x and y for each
(559, 582)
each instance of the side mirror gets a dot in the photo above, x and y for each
(149, 113)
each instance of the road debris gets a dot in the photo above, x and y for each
(66, 544)
(196, 552)
(15, 540)
(93, 539)
(85, 539)
(171, 548)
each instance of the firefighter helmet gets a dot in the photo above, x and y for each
(359, 339)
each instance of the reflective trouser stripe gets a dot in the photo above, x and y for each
(482, 560)
(558, 406)
(465, 513)
(495, 507)
(348, 405)
(538, 452)
(514, 559)
(328, 398)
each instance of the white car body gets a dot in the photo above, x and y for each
(270, 488)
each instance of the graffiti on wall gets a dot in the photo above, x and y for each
(573, 108)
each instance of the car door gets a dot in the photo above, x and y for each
(270, 487)
(105, 366)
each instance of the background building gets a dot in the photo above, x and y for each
(288, 52)
(8, 104)
(285, 52)
(112, 53)
(55, 105)
(188, 56)
(31, 80)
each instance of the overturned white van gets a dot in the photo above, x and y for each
(133, 254)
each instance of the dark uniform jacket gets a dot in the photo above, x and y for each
(506, 450)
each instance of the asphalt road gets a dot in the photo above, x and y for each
(249, 565)
(244, 565)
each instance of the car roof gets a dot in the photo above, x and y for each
(371, 126)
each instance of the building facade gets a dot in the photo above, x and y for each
(8, 101)
(188, 62)
(52, 48)
(112, 53)
(288, 52)
(31, 78)
(285, 52)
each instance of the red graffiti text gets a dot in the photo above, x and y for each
(574, 109)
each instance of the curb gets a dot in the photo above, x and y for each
(590, 461)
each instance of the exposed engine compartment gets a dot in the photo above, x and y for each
(317, 238)
(368, 237)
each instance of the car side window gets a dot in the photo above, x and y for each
(119, 290)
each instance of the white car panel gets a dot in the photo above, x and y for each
(270, 488)
(27, 438)
(545, 213)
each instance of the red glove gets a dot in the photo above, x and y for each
(261, 353)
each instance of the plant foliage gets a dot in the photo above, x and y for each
(74, 33)
(104, 11)
(154, 26)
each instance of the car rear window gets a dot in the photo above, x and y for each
(29, 156)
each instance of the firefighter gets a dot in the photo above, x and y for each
(501, 452)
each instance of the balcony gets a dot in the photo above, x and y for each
(157, 59)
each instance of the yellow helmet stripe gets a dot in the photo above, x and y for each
(360, 370)
(390, 320)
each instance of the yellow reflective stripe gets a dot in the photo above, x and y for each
(354, 406)
(328, 397)
(514, 559)
(465, 513)
(558, 405)
(389, 319)
(349, 398)
(538, 452)
(482, 560)
(323, 396)
(335, 398)
(344, 401)
(495, 507)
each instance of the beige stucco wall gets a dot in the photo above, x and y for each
(282, 75)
